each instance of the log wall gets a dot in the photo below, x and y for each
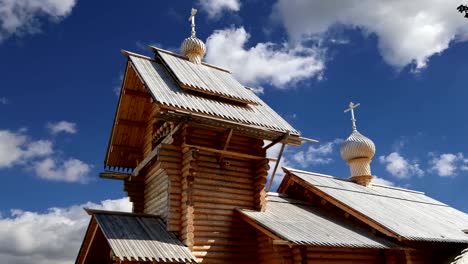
(344, 255)
(267, 252)
(213, 185)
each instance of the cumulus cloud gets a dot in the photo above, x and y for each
(408, 32)
(71, 170)
(52, 237)
(62, 126)
(22, 17)
(382, 181)
(316, 155)
(214, 8)
(18, 148)
(400, 167)
(448, 164)
(278, 65)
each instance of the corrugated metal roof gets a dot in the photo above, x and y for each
(302, 224)
(412, 215)
(462, 258)
(207, 79)
(141, 237)
(168, 93)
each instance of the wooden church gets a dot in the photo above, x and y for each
(188, 143)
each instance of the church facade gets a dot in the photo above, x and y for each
(188, 143)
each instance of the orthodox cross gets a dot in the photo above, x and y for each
(351, 108)
(192, 18)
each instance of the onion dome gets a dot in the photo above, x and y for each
(194, 49)
(358, 152)
(357, 146)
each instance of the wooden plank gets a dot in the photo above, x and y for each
(136, 93)
(114, 175)
(225, 152)
(132, 123)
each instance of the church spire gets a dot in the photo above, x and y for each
(192, 47)
(358, 151)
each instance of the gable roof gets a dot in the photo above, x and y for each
(297, 222)
(168, 93)
(408, 214)
(140, 237)
(205, 78)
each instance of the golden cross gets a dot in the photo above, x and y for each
(351, 108)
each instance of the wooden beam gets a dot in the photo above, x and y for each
(280, 154)
(114, 175)
(274, 142)
(90, 241)
(128, 122)
(137, 93)
(126, 148)
(282, 243)
(225, 152)
(220, 160)
(155, 151)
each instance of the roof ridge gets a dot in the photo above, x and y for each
(185, 58)
(382, 195)
(348, 180)
(91, 211)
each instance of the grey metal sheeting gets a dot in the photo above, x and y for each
(303, 224)
(462, 258)
(166, 92)
(205, 78)
(142, 238)
(410, 214)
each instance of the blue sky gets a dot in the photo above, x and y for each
(61, 67)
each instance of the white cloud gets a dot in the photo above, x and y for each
(52, 237)
(448, 164)
(316, 155)
(400, 167)
(382, 181)
(71, 170)
(3, 100)
(17, 148)
(407, 31)
(214, 8)
(278, 65)
(22, 17)
(62, 126)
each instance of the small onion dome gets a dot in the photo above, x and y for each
(194, 49)
(357, 146)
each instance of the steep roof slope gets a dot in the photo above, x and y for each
(406, 214)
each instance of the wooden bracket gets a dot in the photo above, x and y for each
(280, 154)
(226, 144)
(155, 151)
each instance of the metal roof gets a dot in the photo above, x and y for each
(167, 92)
(141, 237)
(204, 78)
(410, 214)
(462, 258)
(301, 224)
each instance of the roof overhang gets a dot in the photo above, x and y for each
(130, 237)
